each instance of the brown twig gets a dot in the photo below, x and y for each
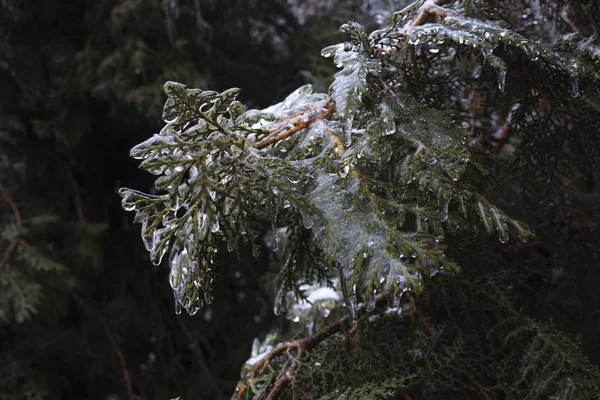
(296, 127)
(433, 7)
(302, 346)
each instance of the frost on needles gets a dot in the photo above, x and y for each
(377, 174)
(378, 171)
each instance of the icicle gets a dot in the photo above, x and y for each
(275, 241)
(575, 87)
(370, 302)
(501, 225)
(444, 210)
(349, 298)
(147, 239)
(177, 306)
(502, 80)
(348, 129)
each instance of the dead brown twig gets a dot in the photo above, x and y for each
(297, 126)
(429, 8)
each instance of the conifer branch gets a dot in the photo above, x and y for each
(302, 346)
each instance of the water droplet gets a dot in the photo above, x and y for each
(502, 80)
(286, 203)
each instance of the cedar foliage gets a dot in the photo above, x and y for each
(389, 182)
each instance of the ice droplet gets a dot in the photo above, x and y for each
(177, 307)
(307, 221)
(370, 302)
(502, 80)
(286, 203)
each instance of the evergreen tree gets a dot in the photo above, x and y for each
(408, 195)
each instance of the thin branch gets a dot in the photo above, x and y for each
(428, 8)
(296, 127)
(301, 346)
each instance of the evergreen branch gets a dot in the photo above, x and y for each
(302, 346)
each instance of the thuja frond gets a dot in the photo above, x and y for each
(378, 178)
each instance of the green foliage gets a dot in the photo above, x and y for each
(392, 173)
(217, 165)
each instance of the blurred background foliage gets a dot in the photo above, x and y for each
(83, 313)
